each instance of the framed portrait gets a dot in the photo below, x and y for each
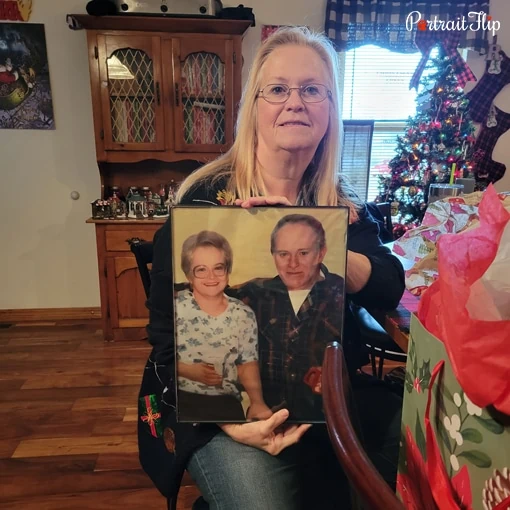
(258, 295)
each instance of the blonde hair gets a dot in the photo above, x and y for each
(321, 184)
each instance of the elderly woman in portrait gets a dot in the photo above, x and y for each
(216, 337)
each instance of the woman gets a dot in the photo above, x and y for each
(286, 152)
(216, 338)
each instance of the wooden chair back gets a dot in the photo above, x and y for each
(360, 471)
(142, 251)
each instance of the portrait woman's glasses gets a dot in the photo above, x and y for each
(202, 272)
(277, 93)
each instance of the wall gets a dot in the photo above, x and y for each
(50, 258)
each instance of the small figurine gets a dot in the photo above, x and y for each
(172, 193)
(101, 209)
(136, 204)
(161, 210)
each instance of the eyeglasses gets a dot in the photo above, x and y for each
(202, 272)
(277, 93)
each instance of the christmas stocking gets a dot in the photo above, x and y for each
(486, 169)
(481, 97)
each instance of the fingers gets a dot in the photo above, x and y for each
(259, 416)
(293, 435)
(210, 376)
(274, 421)
(258, 201)
(277, 200)
(265, 415)
(213, 380)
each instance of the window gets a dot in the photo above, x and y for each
(376, 88)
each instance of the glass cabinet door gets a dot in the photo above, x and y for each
(203, 95)
(131, 93)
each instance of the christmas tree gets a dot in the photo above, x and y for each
(435, 146)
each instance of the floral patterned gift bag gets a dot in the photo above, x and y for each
(463, 460)
(455, 451)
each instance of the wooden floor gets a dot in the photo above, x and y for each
(68, 420)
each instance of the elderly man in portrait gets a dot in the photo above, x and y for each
(298, 312)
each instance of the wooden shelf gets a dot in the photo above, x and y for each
(129, 221)
(205, 25)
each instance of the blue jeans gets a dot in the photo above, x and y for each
(233, 476)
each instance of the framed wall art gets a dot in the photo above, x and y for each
(25, 91)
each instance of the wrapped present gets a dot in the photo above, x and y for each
(454, 454)
(448, 216)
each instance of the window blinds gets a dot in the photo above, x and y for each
(375, 88)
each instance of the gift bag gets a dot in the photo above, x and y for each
(468, 306)
(454, 455)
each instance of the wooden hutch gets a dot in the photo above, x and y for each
(164, 97)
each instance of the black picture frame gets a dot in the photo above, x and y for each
(255, 290)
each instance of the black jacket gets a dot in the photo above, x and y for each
(165, 465)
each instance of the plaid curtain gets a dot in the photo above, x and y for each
(353, 23)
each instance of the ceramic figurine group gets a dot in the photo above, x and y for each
(140, 203)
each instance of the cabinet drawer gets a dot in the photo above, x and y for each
(116, 240)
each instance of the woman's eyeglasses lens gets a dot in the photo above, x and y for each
(204, 272)
(279, 93)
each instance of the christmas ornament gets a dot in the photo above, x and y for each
(413, 190)
(394, 208)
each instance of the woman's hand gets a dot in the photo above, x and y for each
(258, 411)
(267, 435)
(200, 372)
(257, 201)
(359, 269)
